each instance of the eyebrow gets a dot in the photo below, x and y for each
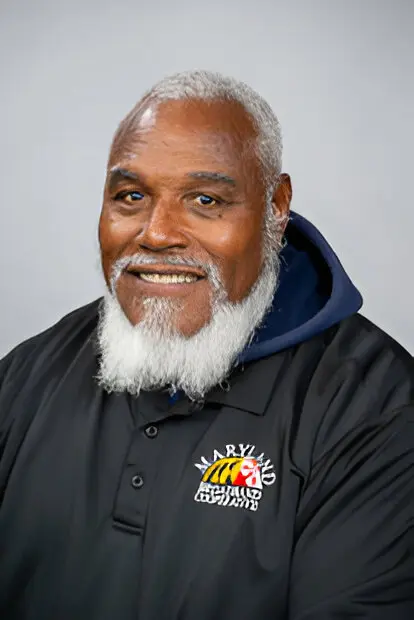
(117, 174)
(218, 177)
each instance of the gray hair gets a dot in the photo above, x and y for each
(209, 85)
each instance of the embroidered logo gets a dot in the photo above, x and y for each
(235, 478)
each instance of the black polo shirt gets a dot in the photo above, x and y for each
(287, 495)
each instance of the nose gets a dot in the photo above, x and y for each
(162, 230)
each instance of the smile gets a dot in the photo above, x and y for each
(168, 278)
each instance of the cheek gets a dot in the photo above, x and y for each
(115, 234)
(237, 248)
(231, 240)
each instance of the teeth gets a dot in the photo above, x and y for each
(168, 278)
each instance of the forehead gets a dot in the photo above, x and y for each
(179, 134)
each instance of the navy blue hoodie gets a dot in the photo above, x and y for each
(314, 292)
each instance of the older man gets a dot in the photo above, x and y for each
(223, 436)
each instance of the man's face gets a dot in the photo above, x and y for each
(185, 186)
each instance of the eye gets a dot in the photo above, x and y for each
(129, 197)
(203, 200)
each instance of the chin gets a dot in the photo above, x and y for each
(167, 316)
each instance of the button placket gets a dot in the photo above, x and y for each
(138, 472)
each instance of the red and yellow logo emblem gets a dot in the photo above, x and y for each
(235, 478)
(238, 471)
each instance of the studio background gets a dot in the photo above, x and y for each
(338, 73)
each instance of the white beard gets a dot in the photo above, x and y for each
(150, 356)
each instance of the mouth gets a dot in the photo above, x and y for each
(169, 278)
(165, 275)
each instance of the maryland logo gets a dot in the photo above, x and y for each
(235, 478)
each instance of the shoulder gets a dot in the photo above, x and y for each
(66, 334)
(358, 351)
(357, 376)
(372, 361)
(31, 371)
(359, 330)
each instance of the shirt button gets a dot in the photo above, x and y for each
(151, 431)
(137, 481)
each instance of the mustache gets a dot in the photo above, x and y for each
(136, 260)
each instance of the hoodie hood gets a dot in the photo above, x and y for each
(314, 293)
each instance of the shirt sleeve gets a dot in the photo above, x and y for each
(353, 556)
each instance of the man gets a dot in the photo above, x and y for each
(222, 436)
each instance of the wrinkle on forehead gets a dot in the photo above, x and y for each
(172, 160)
(213, 145)
(221, 130)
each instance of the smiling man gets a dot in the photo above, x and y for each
(190, 232)
(223, 435)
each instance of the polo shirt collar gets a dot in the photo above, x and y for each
(249, 388)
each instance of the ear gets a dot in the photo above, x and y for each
(282, 197)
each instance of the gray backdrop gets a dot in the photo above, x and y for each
(339, 74)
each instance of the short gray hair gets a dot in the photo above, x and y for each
(208, 85)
